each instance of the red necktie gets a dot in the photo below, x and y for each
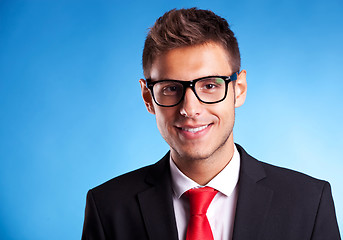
(198, 225)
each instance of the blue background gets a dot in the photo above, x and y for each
(72, 115)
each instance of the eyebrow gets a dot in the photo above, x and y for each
(171, 79)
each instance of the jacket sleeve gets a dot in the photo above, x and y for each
(92, 226)
(326, 227)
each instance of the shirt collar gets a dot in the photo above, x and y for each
(225, 181)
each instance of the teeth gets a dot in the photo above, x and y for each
(194, 130)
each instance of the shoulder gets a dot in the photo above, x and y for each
(131, 180)
(120, 193)
(286, 184)
(128, 185)
(260, 170)
(291, 180)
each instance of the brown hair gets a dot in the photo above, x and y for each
(187, 27)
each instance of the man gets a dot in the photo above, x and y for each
(206, 187)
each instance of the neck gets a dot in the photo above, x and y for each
(204, 170)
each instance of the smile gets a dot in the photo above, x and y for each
(195, 130)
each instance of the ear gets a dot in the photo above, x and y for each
(240, 88)
(147, 97)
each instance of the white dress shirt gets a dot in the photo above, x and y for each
(221, 212)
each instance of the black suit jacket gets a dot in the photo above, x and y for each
(273, 203)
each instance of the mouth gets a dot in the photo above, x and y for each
(194, 129)
(193, 132)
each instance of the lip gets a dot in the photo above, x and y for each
(193, 131)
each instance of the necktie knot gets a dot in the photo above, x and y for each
(200, 199)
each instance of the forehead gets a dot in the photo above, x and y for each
(191, 62)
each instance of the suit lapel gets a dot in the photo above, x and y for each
(253, 202)
(254, 199)
(156, 203)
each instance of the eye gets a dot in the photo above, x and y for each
(209, 86)
(170, 90)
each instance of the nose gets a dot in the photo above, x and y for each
(190, 106)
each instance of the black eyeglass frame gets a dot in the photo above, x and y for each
(190, 84)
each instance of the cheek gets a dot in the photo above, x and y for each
(164, 119)
(225, 113)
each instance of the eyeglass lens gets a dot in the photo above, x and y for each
(208, 90)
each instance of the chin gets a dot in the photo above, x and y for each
(194, 155)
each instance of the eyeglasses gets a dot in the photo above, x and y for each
(169, 93)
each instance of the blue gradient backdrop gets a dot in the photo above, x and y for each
(72, 115)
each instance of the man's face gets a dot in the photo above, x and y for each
(195, 130)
